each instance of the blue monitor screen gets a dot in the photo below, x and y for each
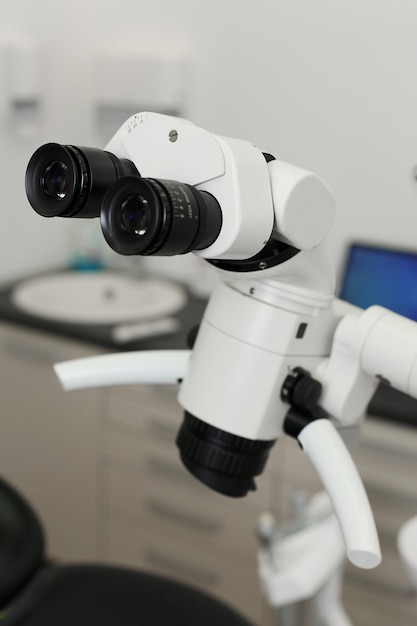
(384, 276)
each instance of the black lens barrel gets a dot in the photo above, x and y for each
(70, 181)
(225, 462)
(178, 217)
(138, 216)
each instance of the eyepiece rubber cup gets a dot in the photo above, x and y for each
(147, 216)
(69, 181)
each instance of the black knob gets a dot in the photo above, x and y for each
(300, 389)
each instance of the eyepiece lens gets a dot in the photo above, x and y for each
(56, 180)
(71, 181)
(135, 215)
(152, 216)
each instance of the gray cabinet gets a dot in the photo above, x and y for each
(48, 441)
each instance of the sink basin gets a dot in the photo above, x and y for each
(97, 298)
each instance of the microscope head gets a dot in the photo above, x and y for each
(164, 186)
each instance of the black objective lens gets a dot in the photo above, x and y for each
(148, 216)
(224, 462)
(68, 181)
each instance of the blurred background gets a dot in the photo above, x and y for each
(328, 86)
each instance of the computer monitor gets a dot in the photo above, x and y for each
(376, 274)
(381, 275)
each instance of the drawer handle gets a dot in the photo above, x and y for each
(185, 518)
(175, 567)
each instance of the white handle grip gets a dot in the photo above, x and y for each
(323, 445)
(160, 367)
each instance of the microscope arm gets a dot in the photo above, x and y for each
(368, 347)
(154, 367)
(327, 452)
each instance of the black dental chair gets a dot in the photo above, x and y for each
(35, 593)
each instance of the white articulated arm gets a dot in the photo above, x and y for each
(327, 452)
(389, 351)
(163, 367)
(323, 445)
(368, 347)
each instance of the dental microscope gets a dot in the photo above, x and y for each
(276, 354)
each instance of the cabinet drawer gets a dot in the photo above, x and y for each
(234, 582)
(152, 394)
(389, 472)
(391, 510)
(145, 410)
(161, 458)
(130, 447)
(200, 514)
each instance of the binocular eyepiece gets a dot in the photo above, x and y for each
(139, 216)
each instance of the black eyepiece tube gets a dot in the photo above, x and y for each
(148, 216)
(70, 181)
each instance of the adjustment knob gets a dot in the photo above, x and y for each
(300, 389)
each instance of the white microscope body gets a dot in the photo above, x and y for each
(275, 352)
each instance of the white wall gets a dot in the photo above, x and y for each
(328, 85)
